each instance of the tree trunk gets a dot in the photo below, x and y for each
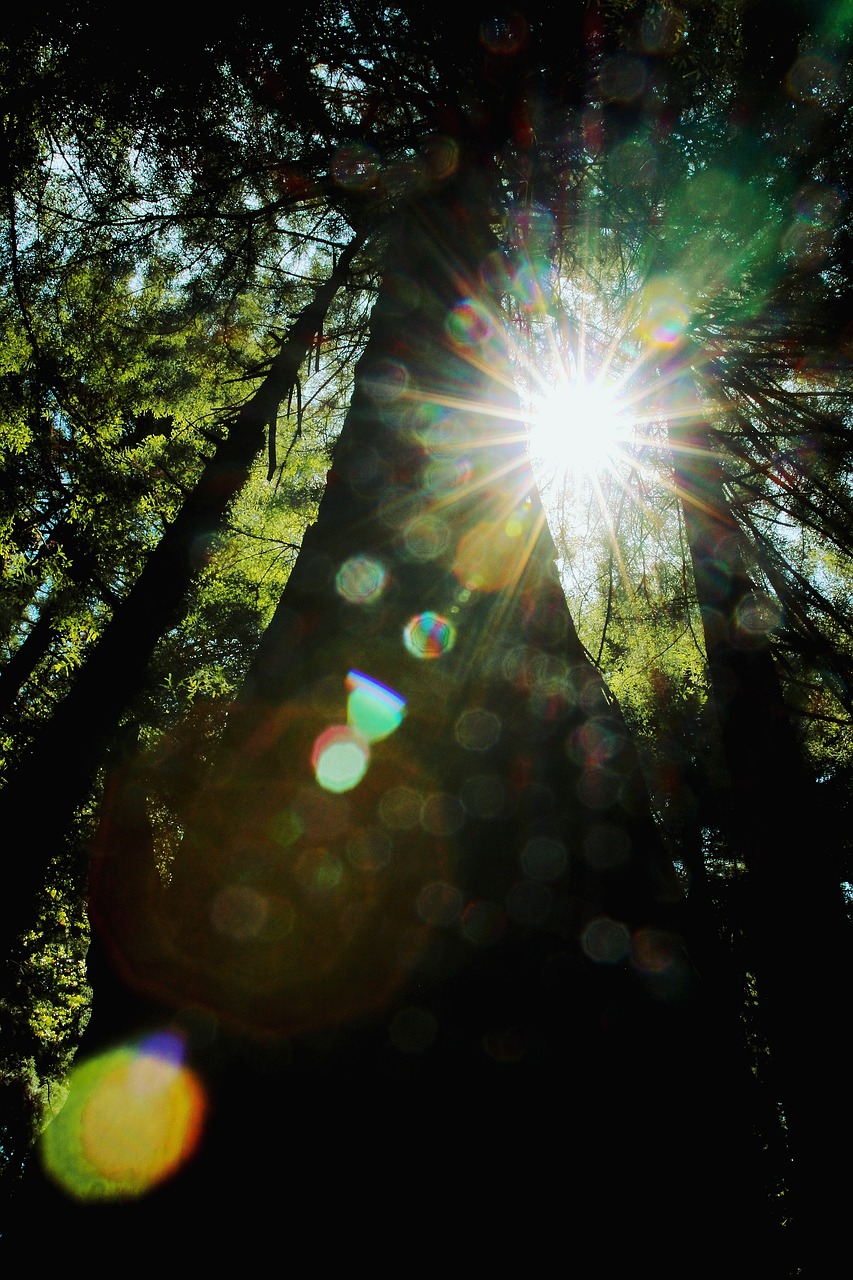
(803, 979)
(23, 662)
(447, 999)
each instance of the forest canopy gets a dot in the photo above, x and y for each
(427, 618)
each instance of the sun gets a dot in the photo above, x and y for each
(578, 428)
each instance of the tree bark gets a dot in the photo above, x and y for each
(803, 979)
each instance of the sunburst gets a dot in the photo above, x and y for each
(578, 429)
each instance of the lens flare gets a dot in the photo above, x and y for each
(442, 156)
(665, 314)
(355, 168)
(504, 35)
(340, 758)
(606, 941)
(532, 288)
(469, 324)
(428, 635)
(360, 580)
(133, 1117)
(373, 709)
(488, 557)
(447, 476)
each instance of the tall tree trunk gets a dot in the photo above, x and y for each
(81, 567)
(477, 1017)
(54, 777)
(803, 979)
(23, 662)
